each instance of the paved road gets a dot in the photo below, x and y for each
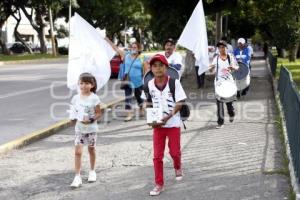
(35, 96)
(226, 164)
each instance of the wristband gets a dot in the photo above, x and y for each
(92, 120)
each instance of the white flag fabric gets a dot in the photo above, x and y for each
(194, 37)
(88, 52)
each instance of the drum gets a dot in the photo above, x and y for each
(172, 72)
(242, 72)
(225, 88)
(242, 84)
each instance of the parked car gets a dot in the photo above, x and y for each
(17, 48)
(115, 65)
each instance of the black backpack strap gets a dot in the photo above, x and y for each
(147, 93)
(172, 87)
(228, 57)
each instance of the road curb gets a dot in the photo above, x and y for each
(43, 133)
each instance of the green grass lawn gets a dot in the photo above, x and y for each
(293, 67)
(27, 57)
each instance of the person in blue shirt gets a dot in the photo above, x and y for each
(131, 70)
(242, 54)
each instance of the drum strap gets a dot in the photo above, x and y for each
(229, 61)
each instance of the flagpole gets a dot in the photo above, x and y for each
(70, 13)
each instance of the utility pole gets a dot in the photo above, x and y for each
(52, 32)
(226, 26)
(219, 26)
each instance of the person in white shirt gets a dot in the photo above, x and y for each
(174, 58)
(85, 111)
(225, 63)
(159, 96)
(228, 46)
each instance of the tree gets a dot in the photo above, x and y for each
(284, 31)
(38, 13)
(6, 9)
(278, 21)
(112, 15)
(16, 32)
(169, 17)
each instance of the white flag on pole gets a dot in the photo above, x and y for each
(194, 37)
(88, 52)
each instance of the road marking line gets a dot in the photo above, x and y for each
(28, 91)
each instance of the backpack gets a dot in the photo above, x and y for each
(185, 109)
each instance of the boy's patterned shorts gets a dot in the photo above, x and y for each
(86, 138)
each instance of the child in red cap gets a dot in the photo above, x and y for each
(159, 96)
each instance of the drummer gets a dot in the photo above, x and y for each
(225, 63)
(242, 54)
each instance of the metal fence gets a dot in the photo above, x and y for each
(290, 100)
(273, 63)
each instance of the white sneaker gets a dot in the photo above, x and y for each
(219, 126)
(178, 175)
(156, 190)
(92, 176)
(76, 182)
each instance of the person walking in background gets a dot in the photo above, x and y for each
(200, 78)
(265, 49)
(85, 111)
(132, 77)
(174, 58)
(242, 54)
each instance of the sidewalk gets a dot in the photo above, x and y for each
(238, 162)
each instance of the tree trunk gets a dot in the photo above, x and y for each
(189, 63)
(5, 51)
(18, 35)
(20, 39)
(52, 33)
(280, 52)
(293, 52)
(41, 31)
(218, 26)
(38, 26)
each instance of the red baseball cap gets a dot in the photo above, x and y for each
(159, 57)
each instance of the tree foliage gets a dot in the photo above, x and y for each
(169, 17)
(114, 14)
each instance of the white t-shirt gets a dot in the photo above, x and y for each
(85, 106)
(174, 59)
(224, 64)
(164, 100)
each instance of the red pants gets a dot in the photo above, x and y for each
(159, 141)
